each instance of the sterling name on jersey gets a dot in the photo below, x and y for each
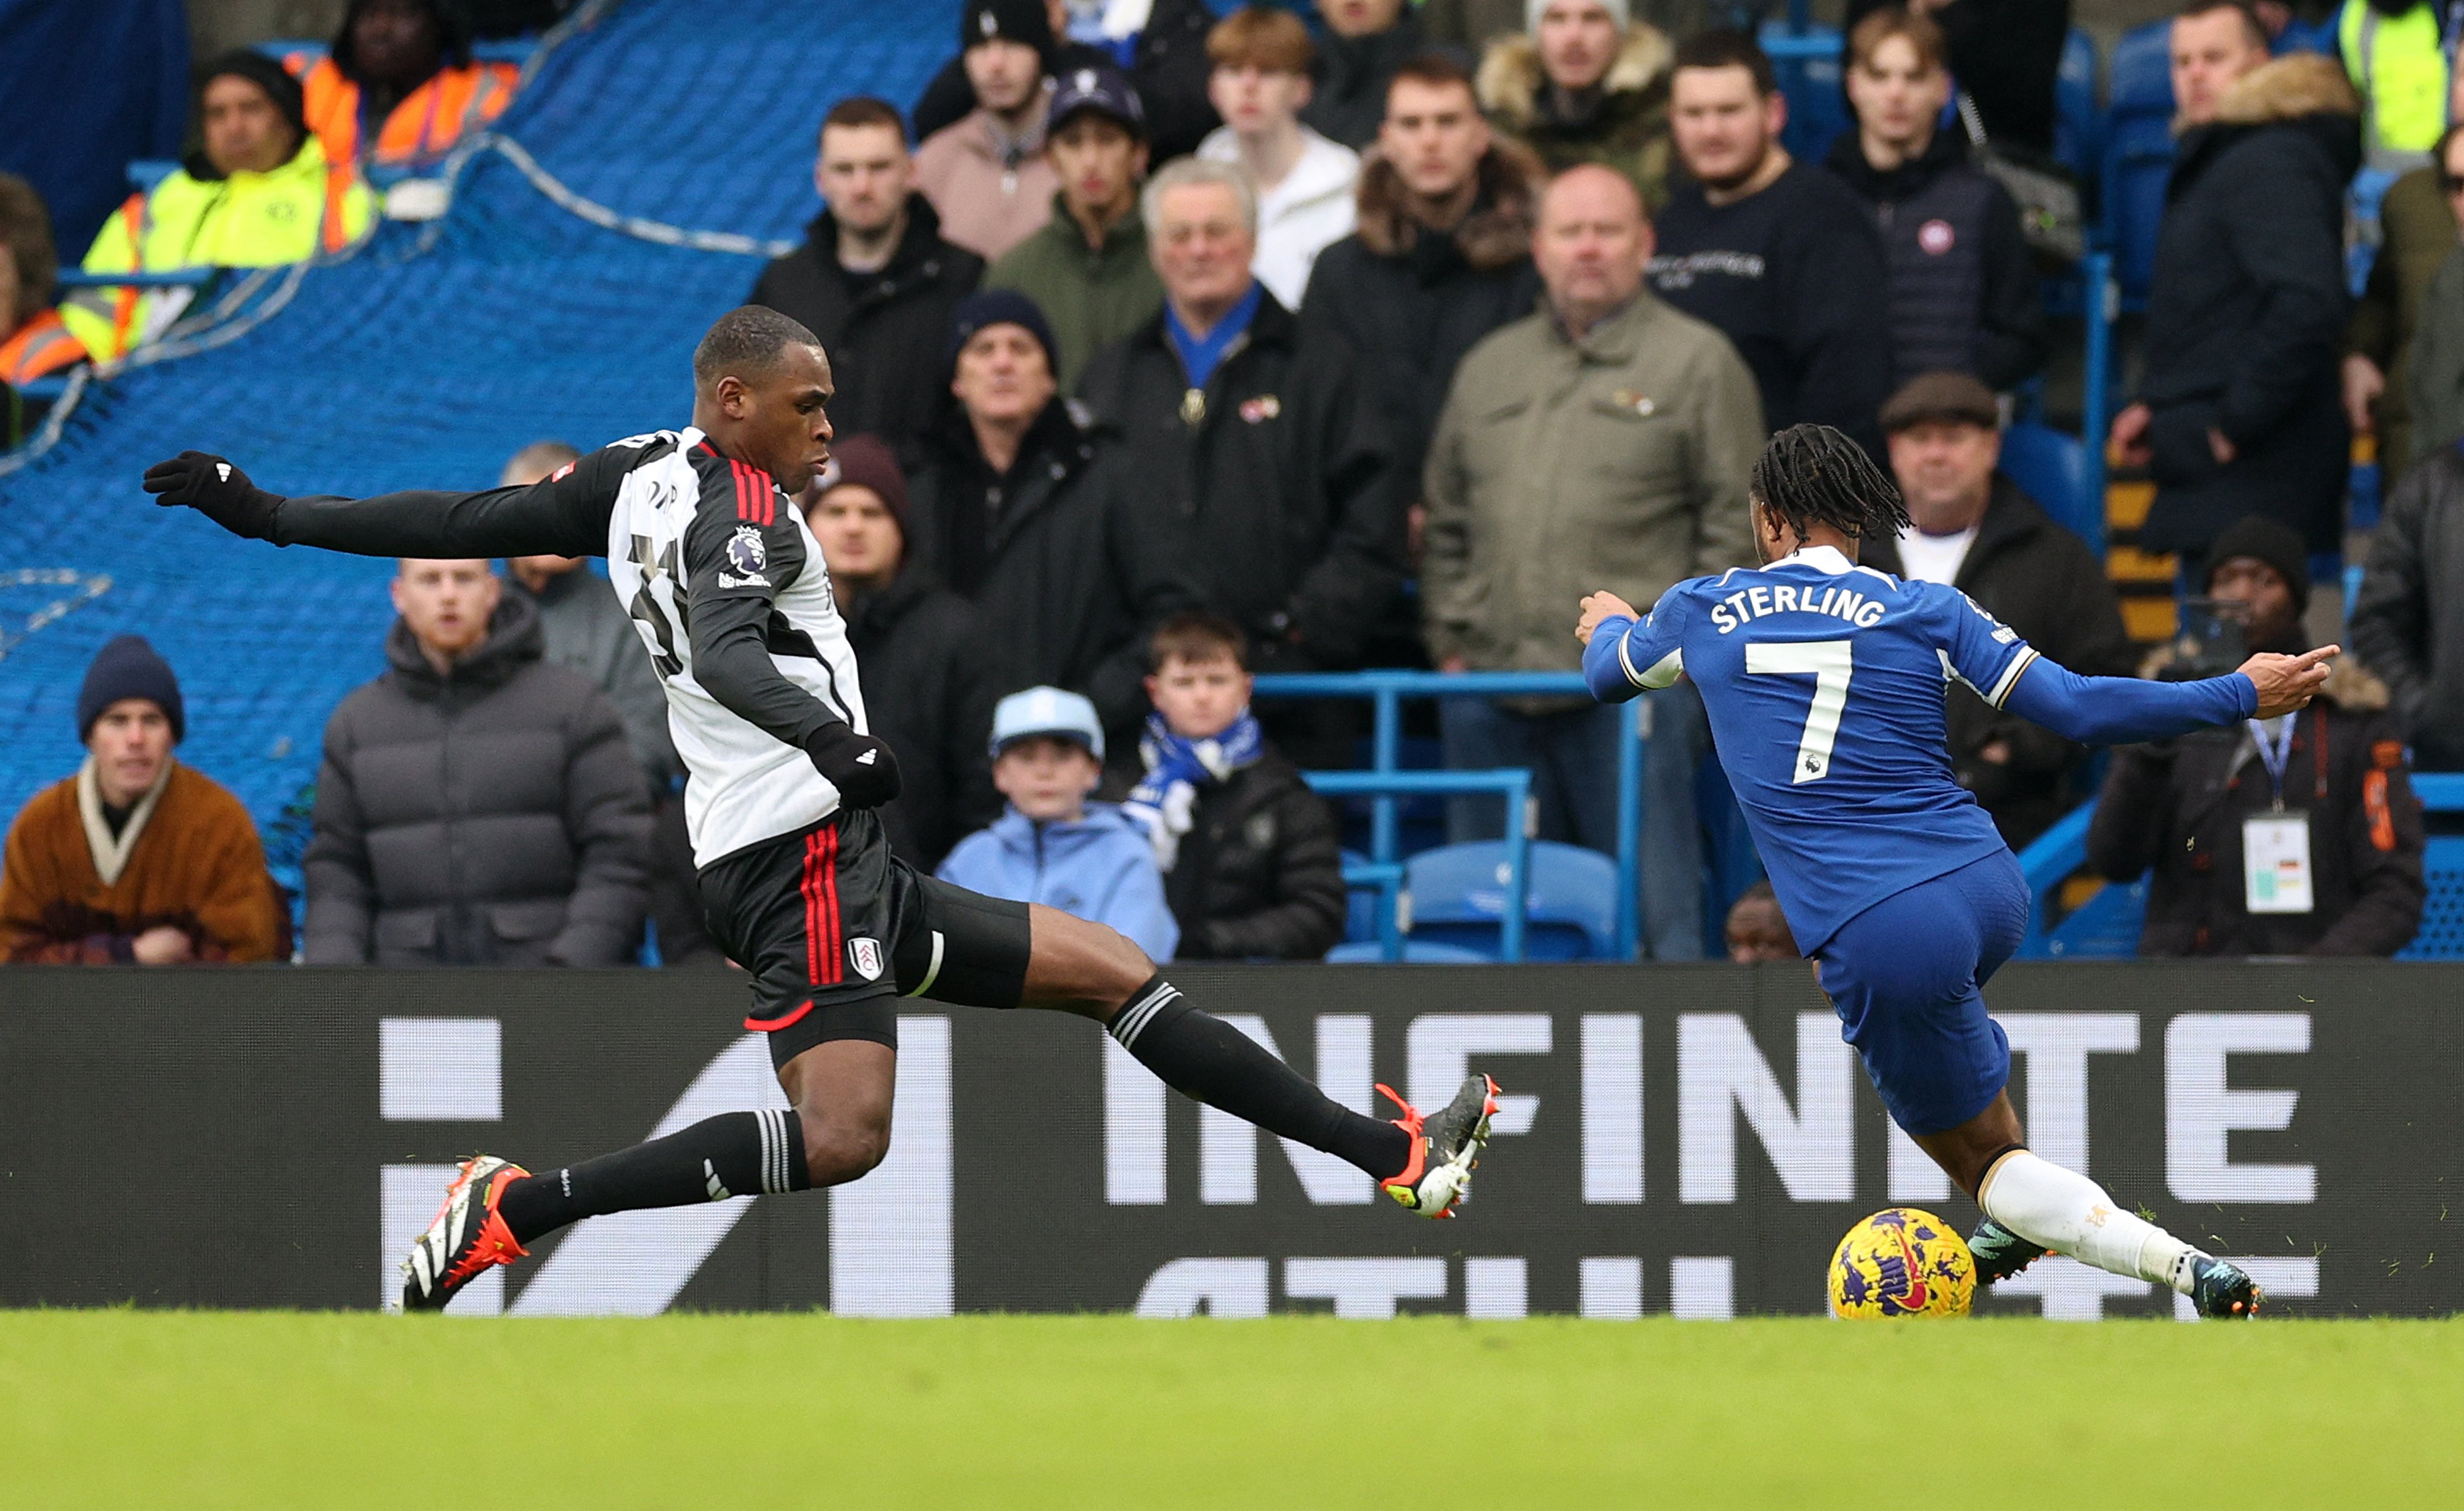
(1824, 684)
(692, 531)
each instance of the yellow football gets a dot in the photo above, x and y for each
(1901, 1262)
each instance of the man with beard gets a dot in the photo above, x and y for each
(2291, 835)
(1778, 254)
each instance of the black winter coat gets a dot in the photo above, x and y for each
(885, 332)
(1168, 71)
(2246, 314)
(2409, 622)
(1409, 303)
(1285, 477)
(2043, 581)
(1066, 555)
(2178, 806)
(932, 675)
(1964, 292)
(1260, 874)
(493, 815)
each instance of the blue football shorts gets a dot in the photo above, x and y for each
(1907, 975)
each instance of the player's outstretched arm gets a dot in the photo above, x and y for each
(566, 516)
(1622, 658)
(2123, 710)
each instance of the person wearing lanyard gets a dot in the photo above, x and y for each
(2297, 835)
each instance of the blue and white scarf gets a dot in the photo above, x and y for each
(1176, 767)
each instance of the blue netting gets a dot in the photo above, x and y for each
(425, 361)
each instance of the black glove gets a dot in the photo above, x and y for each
(861, 767)
(216, 489)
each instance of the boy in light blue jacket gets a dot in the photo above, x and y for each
(1053, 847)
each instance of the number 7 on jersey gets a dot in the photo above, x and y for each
(1829, 663)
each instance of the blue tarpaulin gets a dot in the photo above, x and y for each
(85, 86)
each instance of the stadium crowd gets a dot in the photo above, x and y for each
(1172, 349)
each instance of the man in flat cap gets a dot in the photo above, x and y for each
(1975, 530)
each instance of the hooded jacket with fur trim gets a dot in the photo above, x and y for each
(1622, 124)
(1412, 301)
(2246, 310)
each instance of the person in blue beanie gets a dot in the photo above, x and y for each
(1053, 847)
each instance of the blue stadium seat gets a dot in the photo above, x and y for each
(1415, 952)
(2137, 154)
(2078, 125)
(2107, 926)
(2051, 469)
(1360, 911)
(1459, 897)
(2143, 69)
(2300, 37)
(1807, 62)
(2442, 917)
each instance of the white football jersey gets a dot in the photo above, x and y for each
(693, 529)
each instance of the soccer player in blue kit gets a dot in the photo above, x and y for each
(1824, 683)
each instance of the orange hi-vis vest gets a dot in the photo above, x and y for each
(42, 346)
(423, 127)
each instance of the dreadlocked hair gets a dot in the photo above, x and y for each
(1811, 474)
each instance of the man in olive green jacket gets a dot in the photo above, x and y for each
(1088, 268)
(1604, 441)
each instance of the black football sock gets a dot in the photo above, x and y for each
(734, 1154)
(1204, 1057)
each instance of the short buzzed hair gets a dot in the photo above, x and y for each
(1726, 47)
(1435, 71)
(865, 110)
(536, 460)
(2254, 30)
(746, 341)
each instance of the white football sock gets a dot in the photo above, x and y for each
(2070, 1213)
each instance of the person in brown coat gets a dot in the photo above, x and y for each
(136, 858)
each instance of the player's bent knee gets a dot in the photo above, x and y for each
(841, 1149)
(1082, 967)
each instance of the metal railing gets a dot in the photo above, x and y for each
(1386, 691)
(1514, 784)
(167, 278)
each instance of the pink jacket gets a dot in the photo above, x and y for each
(985, 204)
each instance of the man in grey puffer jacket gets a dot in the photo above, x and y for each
(476, 806)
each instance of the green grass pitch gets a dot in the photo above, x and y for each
(127, 1408)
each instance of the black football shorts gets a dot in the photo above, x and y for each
(835, 930)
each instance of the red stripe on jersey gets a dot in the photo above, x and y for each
(833, 961)
(743, 504)
(760, 493)
(812, 890)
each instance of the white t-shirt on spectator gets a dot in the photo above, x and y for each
(1934, 558)
(1311, 210)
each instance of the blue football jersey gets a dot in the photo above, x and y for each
(1824, 683)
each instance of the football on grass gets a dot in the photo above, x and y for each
(1901, 1262)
